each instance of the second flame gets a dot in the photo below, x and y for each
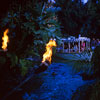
(48, 54)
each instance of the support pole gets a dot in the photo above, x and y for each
(79, 46)
(63, 47)
(87, 45)
(69, 46)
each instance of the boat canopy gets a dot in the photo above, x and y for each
(73, 39)
(73, 44)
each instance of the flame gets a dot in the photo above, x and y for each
(48, 54)
(5, 39)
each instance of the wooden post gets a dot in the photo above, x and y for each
(89, 45)
(79, 46)
(63, 47)
(43, 66)
(86, 45)
(73, 46)
(69, 46)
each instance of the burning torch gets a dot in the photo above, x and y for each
(5, 39)
(47, 56)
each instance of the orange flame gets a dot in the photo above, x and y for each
(5, 39)
(48, 54)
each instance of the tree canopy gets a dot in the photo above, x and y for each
(79, 18)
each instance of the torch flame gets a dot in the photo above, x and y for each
(48, 54)
(5, 39)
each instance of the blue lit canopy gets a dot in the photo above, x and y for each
(84, 1)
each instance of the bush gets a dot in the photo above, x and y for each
(96, 62)
(29, 31)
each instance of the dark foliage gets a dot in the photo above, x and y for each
(91, 91)
(96, 62)
(78, 18)
(27, 22)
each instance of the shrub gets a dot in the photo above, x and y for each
(96, 61)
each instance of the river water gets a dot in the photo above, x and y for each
(58, 83)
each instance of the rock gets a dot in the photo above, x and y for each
(30, 97)
(82, 93)
(86, 76)
(53, 73)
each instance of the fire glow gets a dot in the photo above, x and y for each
(5, 39)
(48, 54)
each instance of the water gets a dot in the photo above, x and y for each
(59, 82)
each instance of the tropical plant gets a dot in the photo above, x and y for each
(96, 62)
(31, 26)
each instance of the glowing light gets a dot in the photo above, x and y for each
(5, 39)
(48, 54)
(84, 1)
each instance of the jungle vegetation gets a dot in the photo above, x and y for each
(29, 27)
